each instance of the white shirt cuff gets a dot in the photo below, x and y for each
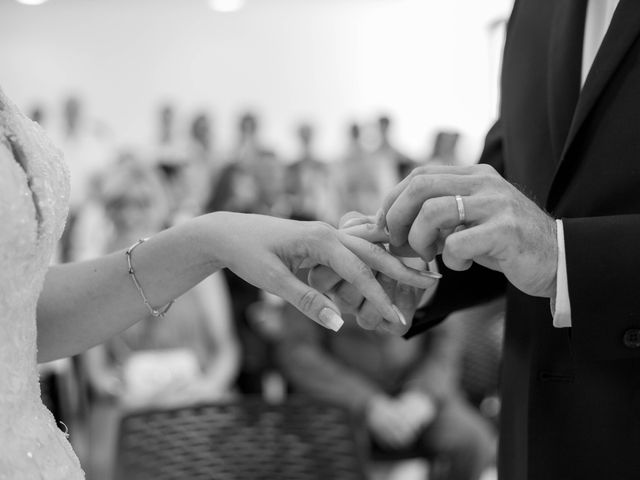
(561, 308)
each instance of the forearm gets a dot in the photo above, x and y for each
(83, 304)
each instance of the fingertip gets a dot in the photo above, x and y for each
(330, 319)
(458, 265)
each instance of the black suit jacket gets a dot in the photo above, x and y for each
(571, 397)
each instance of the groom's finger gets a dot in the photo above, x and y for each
(380, 260)
(346, 297)
(323, 278)
(424, 170)
(368, 317)
(406, 208)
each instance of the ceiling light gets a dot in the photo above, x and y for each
(226, 6)
(31, 2)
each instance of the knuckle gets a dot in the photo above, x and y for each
(418, 184)
(452, 246)
(376, 249)
(509, 226)
(429, 210)
(486, 169)
(322, 231)
(307, 300)
(364, 272)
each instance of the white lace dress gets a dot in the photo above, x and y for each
(33, 206)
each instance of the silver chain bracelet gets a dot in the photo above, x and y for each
(153, 311)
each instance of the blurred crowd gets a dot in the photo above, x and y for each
(225, 339)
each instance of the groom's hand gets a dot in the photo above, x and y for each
(472, 214)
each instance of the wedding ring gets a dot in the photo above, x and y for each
(462, 216)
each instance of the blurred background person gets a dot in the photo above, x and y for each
(310, 192)
(262, 164)
(190, 355)
(406, 394)
(206, 163)
(236, 189)
(391, 164)
(357, 181)
(87, 148)
(445, 148)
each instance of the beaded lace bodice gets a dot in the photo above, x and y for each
(34, 191)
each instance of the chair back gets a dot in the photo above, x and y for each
(249, 439)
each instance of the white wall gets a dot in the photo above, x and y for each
(429, 63)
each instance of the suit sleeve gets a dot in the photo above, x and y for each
(458, 290)
(603, 254)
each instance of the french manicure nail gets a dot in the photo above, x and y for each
(399, 314)
(331, 319)
(426, 273)
(430, 274)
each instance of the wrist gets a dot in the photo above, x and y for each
(213, 233)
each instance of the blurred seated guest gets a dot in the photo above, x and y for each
(236, 190)
(405, 393)
(308, 182)
(356, 177)
(191, 354)
(445, 147)
(102, 215)
(392, 164)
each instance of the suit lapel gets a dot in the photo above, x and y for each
(623, 31)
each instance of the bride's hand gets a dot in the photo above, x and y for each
(267, 251)
(405, 295)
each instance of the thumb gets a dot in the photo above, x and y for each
(309, 301)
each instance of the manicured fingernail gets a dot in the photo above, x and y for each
(399, 314)
(426, 273)
(331, 319)
(430, 274)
